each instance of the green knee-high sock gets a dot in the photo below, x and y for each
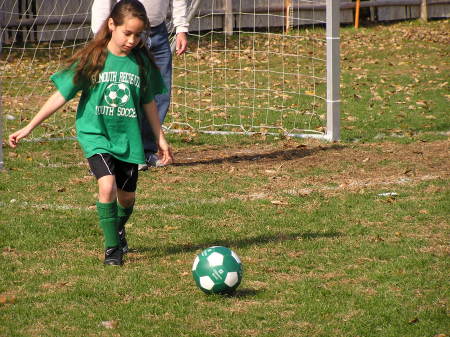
(107, 213)
(123, 214)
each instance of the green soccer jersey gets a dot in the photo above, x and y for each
(108, 113)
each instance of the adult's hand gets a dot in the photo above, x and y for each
(181, 43)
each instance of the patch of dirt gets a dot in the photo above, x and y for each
(300, 168)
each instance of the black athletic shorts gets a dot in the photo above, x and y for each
(103, 164)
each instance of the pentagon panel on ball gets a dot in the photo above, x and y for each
(217, 270)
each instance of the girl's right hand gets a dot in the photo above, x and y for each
(55, 101)
(18, 135)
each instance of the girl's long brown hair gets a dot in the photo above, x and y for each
(89, 61)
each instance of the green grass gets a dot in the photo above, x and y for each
(324, 253)
(395, 82)
(352, 264)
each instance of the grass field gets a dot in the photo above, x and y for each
(345, 239)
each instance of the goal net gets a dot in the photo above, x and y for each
(253, 66)
(259, 66)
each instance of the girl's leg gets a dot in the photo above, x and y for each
(109, 172)
(126, 199)
(107, 190)
(108, 215)
(124, 209)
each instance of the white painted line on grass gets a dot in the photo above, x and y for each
(214, 201)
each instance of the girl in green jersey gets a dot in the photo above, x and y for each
(118, 81)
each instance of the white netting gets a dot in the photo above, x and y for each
(37, 37)
(259, 79)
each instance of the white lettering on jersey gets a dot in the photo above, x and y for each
(109, 76)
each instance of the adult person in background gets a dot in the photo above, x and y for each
(159, 45)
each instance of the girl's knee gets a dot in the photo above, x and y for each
(107, 190)
(127, 203)
(126, 199)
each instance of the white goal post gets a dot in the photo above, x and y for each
(333, 70)
(253, 66)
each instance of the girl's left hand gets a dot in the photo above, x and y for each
(165, 153)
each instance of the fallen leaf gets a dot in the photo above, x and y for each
(378, 238)
(414, 320)
(279, 202)
(170, 228)
(110, 324)
(5, 299)
(254, 196)
(305, 191)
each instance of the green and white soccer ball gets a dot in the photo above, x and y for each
(117, 94)
(217, 270)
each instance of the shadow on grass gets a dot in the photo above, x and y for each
(238, 243)
(238, 293)
(283, 155)
(246, 292)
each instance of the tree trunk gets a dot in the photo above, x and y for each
(229, 17)
(424, 11)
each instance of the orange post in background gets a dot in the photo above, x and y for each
(358, 4)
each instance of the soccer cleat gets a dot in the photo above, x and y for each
(153, 160)
(123, 240)
(113, 256)
(142, 167)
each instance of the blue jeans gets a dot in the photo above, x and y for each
(159, 45)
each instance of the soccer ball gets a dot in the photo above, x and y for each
(217, 270)
(117, 94)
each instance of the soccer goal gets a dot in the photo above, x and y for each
(268, 67)
(253, 66)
